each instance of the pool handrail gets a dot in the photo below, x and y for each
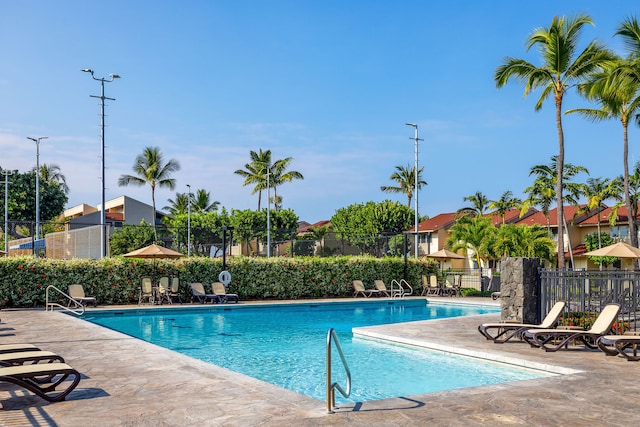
(78, 308)
(404, 287)
(333, 386)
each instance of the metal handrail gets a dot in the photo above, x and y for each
(404, 287)
(333, 386)
(50, 306)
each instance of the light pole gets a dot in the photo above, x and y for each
(189, 222)
(103, 218)
(37, 141)
(268, 211)
(415, 189)
(6, 212)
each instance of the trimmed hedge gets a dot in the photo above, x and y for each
(23, 280)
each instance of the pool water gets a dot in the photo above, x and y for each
(285, 345)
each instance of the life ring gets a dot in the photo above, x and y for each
(224, 277)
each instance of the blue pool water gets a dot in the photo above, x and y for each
(285, 345)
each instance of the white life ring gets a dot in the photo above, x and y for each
(225, 277)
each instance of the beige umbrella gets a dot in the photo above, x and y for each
(153, 251)
(445, 254)
(619, 250)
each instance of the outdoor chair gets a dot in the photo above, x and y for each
(174, 291)
(220, 290)
(197, 292)
(432, 287)
(77, 293)
(146, 291)
(502, 332)
(555, 339)
(382, 288)
(29, 377)
(162, 291)
(359, 289)
(623, 345)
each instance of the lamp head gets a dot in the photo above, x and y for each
(87, 70)
(114, 76)
(412, 124)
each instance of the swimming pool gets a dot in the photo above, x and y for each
(284, 344)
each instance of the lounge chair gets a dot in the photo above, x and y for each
(197, 292)
(431, 287)
(555, 339)
(77, 293)
(382, 289)
(12, 348)
(28, 357)
(623, 345)
(359, 289)
(146, 291)
(502, 332)
(27, 376)
(219, 289)
(174, 291)
(451, 289)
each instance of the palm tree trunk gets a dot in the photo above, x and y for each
(153, 220)
(560, 167)
(627, 198)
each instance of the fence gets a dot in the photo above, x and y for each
(588, 291)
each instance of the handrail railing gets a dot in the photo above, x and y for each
(333, 386)
(404, 287)
(78, 308)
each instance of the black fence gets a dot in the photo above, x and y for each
(586, 292)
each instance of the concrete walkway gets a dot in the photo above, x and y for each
(127, 382)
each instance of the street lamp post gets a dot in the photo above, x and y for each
(268, 212)
(189, 222)
(6, 212)
(103, 218)
(415, 189)
(37, 141)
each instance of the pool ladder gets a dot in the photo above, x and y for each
(77, 309)
(403, 288)
(333, 386)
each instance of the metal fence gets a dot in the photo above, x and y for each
(586, 292)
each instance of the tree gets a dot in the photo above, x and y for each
(201, 202)
(470, 233)
(130, 238)
(406, 182)
(479, 203)
(22, 199)
(151, 169)
(317, 234)
(506, 202)
(562, 67)
(597, 191)
(367, 225)
(524, 241)
(51, 173)
(265, 173)
(593, 242)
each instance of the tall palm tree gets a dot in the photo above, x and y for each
(201, 202)
(506, 202)
(51, 173)
(562, 67)
(479, 203)
(597, 191)
(178, 206)
(618, 96)
(151, 169)
(406, 180)
(266, 173)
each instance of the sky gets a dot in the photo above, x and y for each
(329, 83)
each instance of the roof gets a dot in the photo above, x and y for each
(441, 221)
(305, 228)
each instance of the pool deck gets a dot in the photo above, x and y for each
(127, 382)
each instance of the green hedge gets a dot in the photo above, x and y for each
(23, 280)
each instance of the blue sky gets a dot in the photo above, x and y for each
(330, 83)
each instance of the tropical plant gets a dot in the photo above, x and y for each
(504, 203)
(130, 237)
(596, 241)
(405, 179)
(524, 241)
(317, 233)
(151, 169)
(267, 174)
(52, 173)
(563, 66)
(201, 202)
(470, 233)
(479, 203)
(597, 191)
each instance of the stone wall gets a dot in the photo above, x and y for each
(520, 290)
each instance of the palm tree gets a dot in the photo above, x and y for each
(318, 233)
(506, 202)
(524, 241)
(479, 203)
(406, 180)
(201, 202)
(178, 206)
(471, 233)
(51, 173)
(151, 169)
(265, 173)
(561, 69)
(597, 191)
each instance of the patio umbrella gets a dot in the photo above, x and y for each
(619, 250)
(445, 254)
(153, 251)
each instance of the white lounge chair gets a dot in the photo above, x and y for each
(502, 332)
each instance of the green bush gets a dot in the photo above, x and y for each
(23, 280)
